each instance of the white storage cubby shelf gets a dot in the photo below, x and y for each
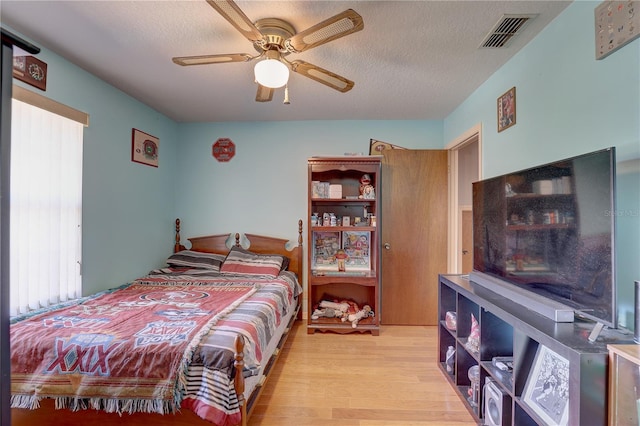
(511, 330)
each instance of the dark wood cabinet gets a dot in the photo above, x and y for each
(343, 241)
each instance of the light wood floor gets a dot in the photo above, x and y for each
(360, 380)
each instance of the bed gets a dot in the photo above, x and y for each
(163, 348)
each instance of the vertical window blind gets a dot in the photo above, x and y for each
(45, 208)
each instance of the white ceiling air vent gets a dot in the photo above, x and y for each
(507, 27)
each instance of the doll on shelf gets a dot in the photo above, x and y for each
(367, 191)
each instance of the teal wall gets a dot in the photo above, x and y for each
(128, 208)
(264, 186)
(627, 237)
(567, 104)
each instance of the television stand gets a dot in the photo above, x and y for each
(507, 329)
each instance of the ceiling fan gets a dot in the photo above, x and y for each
(274, 39)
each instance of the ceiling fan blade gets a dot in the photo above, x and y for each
(321, 75)
(330, 29)
(264, 94)
(236, 17)
(212, 59)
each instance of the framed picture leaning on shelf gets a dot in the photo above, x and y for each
(357, 246)
(325, 247)
(547, 388)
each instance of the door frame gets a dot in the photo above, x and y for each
(474, 134)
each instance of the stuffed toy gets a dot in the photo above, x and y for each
(365, 312)
(329, 309)
(366, 188)
(325, 313)
(342, 307)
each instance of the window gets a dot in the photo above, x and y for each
(45, 208)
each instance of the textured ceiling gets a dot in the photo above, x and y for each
(413, 60)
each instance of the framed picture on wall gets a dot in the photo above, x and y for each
(507, 109)
(547, 388)
(144, 148)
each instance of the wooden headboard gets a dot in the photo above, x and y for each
(257, 243)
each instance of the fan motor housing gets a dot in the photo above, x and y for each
(275, 31)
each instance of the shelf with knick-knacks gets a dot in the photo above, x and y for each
(343, 255)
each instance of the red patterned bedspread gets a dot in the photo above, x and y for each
(92, 347)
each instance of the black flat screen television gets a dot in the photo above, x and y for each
(549, 230)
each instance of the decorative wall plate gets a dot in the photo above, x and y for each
(223, 149)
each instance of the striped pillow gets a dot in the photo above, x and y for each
(241, 261)
(196, 259)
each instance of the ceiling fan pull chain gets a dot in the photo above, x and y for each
(286, 95)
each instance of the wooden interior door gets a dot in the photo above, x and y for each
(467, 241)
(414, 234)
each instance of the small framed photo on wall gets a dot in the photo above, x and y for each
(144, 148)
(507, 109)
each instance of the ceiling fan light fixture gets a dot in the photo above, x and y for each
(274, 39)
(271, 73)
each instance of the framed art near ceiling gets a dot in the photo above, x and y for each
(617, 24)
(31, 70)
(376, 147)
(507, 109)
(144, 148)
(547, 389)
